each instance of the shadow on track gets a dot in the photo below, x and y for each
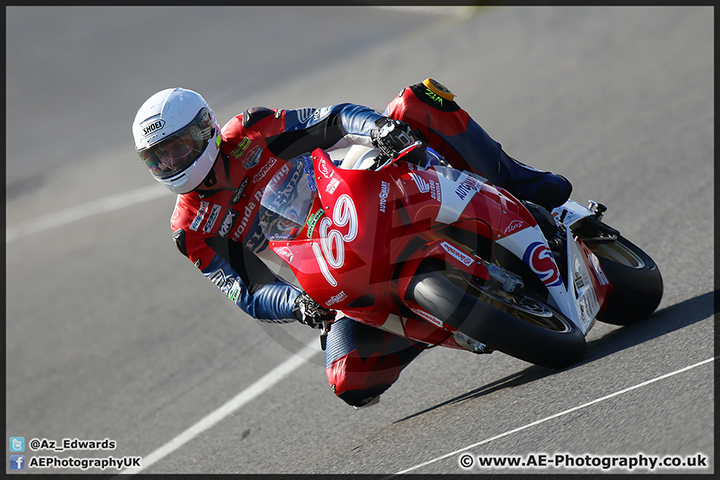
(661, 323)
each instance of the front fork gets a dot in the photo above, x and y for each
(324, 333)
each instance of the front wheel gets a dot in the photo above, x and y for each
(519, 325)
(635, 277)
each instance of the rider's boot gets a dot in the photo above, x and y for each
(430, 108)
(527, 183)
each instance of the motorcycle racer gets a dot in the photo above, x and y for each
(219, 176)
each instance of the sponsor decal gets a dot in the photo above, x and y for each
(430, 318)
(336, 299)
(323, 168)
(308, 168)
(435, 191)
(540, 260)
(459, 255)
(198, 262)
(312, 220)
(153, 127)
(420, 182)
(434, 96)
(456, 190)
(229, 285)
(240, 150)
(199, 216)
(599, 273)
(280, 176)
(239, 192)
(228, 222)
(514, 226)
(235, 291)
(426, 186)
(214, 213)
(467, 186)
(265, 169)
(588, 306)
(332, 185)
(321, 113)
(577, 276)
(384, 194)
(286, 253)
(253, 158)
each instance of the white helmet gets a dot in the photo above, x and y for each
(178, 137)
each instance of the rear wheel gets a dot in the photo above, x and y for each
(519, 325)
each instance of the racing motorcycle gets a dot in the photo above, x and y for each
(442, 257)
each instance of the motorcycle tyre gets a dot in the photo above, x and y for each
(637, 289)
(467, 310)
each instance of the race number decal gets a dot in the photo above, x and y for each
(331, 252)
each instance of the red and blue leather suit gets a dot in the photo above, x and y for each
(219, 231)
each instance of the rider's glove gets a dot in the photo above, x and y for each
(309, 312)
(391, 136)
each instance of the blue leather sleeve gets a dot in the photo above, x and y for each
(270, 302)
(330, 127)
(358, 120)
(353, 119)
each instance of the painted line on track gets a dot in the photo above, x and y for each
(107, 204)
(551, 417)
(253, 391)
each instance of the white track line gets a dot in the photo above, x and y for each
(238, 401)
(551, 417)
(113, 202)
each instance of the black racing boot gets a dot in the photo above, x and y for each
(527, 183)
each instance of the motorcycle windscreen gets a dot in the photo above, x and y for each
(287, 200)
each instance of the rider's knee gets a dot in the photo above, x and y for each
(363, 398)
(356, 382)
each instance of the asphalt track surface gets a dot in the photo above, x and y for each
(112, 334)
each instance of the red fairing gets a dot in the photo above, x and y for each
(368, 231)
(601, 284)
(336, 242)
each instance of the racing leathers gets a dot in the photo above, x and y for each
(219, 231)
(430, 108)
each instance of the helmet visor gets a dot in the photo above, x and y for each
(179, 150)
